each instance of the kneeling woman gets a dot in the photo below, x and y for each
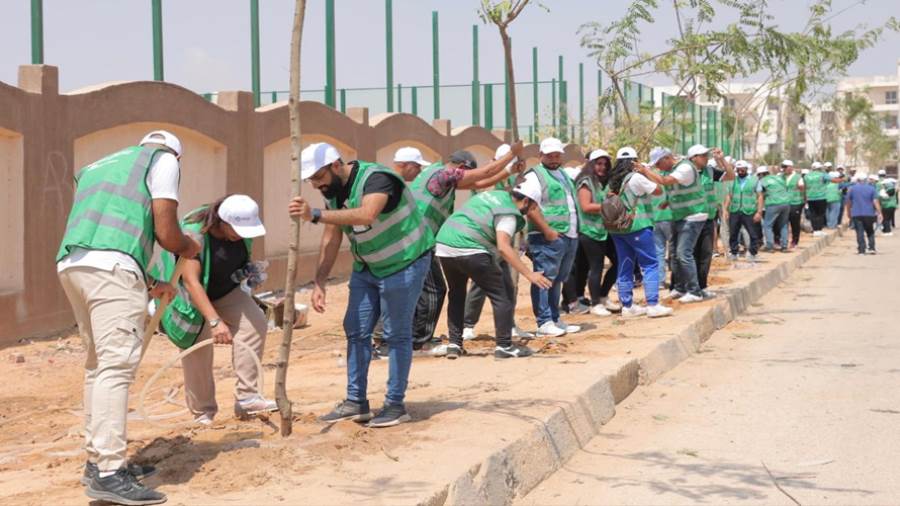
(468, 245)
(216, 307)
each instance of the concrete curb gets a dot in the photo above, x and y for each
(513, 471)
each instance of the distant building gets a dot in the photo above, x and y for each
(883, 92)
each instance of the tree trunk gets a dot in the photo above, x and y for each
(513, 110)
(287, 329)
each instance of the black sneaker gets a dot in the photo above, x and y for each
(380, 350)
(390, 415)
(349, 410)
(122, 488)
(138, 471)
(513, 351)
(454, 351)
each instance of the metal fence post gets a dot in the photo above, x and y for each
(158, 74)
(37, 32)
(415, 101)
(553, 103)
(581, 102)
(254, 51)
(534, 88)
(389, 52)
(476, 87)
(399, 97)
(329, 55)
(343, 100)
(563, 105)
(507, 115)
(488, 106)
(435, 65)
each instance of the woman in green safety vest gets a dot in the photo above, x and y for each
(470, 245)
(214, 303)
(775, 199)
(629, 180)
(887, 195)
(833, 199)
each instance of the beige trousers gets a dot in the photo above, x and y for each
(247, 324)
(110, 308)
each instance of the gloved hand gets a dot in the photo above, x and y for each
(253, 273)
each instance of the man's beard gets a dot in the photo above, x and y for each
(332, 190)
(553, 166)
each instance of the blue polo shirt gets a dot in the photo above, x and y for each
(862, 200)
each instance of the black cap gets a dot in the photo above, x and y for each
(465, 158)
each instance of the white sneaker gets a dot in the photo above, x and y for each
(518, 333)
(708, 294)
(205, 419)
(889, 234)
(441, 349)
(611, 305)
(570, 329)
(818, 233)
(658, 311)
(689, 298)
(550, 329)
(468, 334)
(578, 308)
(253, 405)
(674, 294)
(599, 310)
(634, 311)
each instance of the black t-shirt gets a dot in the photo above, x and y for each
(376, 183)
(225, 258)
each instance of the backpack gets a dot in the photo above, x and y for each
(615, 214)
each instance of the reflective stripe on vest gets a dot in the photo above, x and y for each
(687, 200)
(775, 191)
(555, 206)
(434, 209)
(743, 198)
(111, 208)
(794, 194)
(815, 185)
(474, 225)
(591, 224)
(640, 205)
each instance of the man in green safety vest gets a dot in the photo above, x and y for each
(773, 198)
(123, 203)
(797, 198)
(663, 234)
(391, 244)
(742, 211)
(832, 196)
(433, 186)
(887, 195)
(817, 196)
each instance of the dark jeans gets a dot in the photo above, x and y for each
(865, 229)
(573, 288)
(735, 222)
(794, 220)
(703, 253)
(476, 296)
(555, 260)
(596, 252)
(775, 225)
(887, 219)
(485, 272)
(817, 210)
(684, 275)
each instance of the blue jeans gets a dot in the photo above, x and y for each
(637, 247)
(555, 260)
(686, 235)
(776, 216)
(393, 298)
(665, 242)
(832, 213)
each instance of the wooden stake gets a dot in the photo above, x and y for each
(151, 327)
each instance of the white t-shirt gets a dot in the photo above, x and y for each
(639, 185)
(162, 182)
(505, 223)
(685, 174)
(570, 202)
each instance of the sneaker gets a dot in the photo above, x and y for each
(439, 350)
(390, 415)
(205, 419)
(518, 333)
(454, 351)
(138, 471)
(634, 311)
(513, 351)
(674, 294)
(348, 410)
(708, 294)
(611, 305)
(599, 310)
(549, 329)
(468, 334)
(751, 258)
(732, 257)
(570, 329)
(658, 311)
(784, 249)
(690, 298)
(578, 308)
(254, 405)
(889, 234)
(122, 488)
(871, 252)
(818, 233)
(380, 350)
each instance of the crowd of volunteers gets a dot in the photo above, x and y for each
(610, 224)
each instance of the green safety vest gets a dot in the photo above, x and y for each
(795, 195)
(553, 199)
(661, 212)
(181, 321)
(474, 225)
(709, 188)
(743, 198)
(435, 209)
(721, 191)
(775, 192)
(642, 206)
(505, 184)
(591, 224)
(815, 185)
(396, 239)
(687, 200)
(832, 193)
(890, 202)
(112, 208)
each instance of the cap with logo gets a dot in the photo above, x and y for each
(552, 145)
(657, 154)
(410, 154)
(625, 153)
(464, 158)
(315, 156)
(165, 138)
(530, 188)
(697, 149)
(242, 213)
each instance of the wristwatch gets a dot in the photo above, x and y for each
(316, 215)
(214, 323)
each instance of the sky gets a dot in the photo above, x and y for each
(207, 42)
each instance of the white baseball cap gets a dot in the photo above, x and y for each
(873, 177)
(626, 152)
(502, 151)
(841, 166)
(787, 163)
(833, 174)
(551, 145)
(804, 172)
(242, 213)
(657, 154)
(315, 156)
(530, 188)
(816, 165)
(165, 138)
(697, 149)
(882, 172)
(828, 165)
(741, 164)
(597, 153)
(410, 154)
(762, 169)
